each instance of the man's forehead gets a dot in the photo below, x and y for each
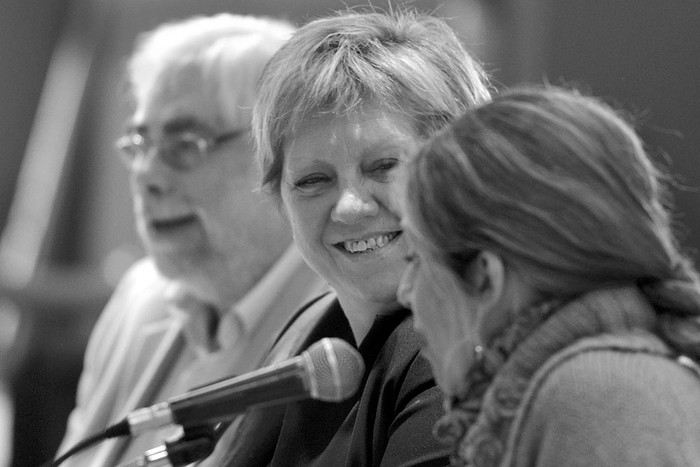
(176, 105)
(172, 126)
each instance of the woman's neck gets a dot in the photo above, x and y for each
(362, 313)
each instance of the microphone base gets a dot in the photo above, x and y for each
(197, 443)
(185, 452)
(155, 457)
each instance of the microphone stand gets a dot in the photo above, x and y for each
(195, 444)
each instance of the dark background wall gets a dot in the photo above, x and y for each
(643, 55)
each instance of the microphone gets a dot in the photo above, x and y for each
(330, 370)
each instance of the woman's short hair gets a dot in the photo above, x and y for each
(406, 62)
(226, 52)
(554, 181)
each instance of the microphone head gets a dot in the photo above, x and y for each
(336, 369)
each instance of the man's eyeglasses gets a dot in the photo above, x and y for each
(182, 152)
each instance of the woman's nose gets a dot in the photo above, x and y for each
(353, 205)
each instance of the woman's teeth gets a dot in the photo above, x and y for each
(369, 244)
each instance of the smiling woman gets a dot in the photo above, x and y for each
(339, 109)
(336, 189)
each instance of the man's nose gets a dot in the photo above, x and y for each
(150, 174)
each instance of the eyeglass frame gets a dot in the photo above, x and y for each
(134, 146)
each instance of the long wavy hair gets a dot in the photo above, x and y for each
(560, 186)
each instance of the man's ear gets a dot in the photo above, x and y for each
(486, 274)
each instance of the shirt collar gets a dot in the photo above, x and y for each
(199, 320)
(206, 332)
(255, 304)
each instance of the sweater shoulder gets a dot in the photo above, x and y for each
(610, 398)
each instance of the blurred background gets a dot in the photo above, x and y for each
(66, 230)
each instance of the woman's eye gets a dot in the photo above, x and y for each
(381, 169)
(384, 165)
(311, 182)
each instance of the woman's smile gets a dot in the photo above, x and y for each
(367, 245)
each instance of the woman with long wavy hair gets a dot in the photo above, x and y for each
(561, 319)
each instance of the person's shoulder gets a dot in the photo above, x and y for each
(138, 298)
(404, 340)
(143, 273)
(142, 280)
(616, 378)
(621, 366)
(609, 396)
(402, 353)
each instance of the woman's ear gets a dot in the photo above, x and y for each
(486, 274)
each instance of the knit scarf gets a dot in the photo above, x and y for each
(477, 421)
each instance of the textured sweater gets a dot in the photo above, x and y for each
(585, 384)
